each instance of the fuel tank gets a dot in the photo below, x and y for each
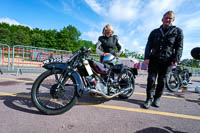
(99, 67)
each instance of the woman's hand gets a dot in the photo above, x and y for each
(104, 54)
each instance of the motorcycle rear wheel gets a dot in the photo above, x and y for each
(126, 79)
(50, 99)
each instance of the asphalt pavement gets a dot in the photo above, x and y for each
(179, 112)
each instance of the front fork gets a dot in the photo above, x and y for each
(59, 80)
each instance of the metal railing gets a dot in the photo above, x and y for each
(4, 56)
(27, 56)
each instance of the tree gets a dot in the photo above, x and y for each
(37, 40)
(4, 35)
(50, 38)
(132, 54)
(190, 62)
(87, 44)
(67, 38)
(19, 37)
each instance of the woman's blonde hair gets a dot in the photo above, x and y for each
(106, 27)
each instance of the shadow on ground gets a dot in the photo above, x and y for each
(21, 102)
(159, 130)
(198, 81)
(141, 85)
(194, 101)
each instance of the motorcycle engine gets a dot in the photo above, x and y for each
(97, 84)
(91, 80)
(101, 87)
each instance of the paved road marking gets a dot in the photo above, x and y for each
(173, 97)
(18, 80)
(121, 108)
(135, 93)
(147, 111)
(17, 95)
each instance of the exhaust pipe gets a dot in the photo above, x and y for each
(106, 96)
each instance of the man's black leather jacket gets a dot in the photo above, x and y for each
(165, 44)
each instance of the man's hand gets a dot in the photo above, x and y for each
(146, 61)
(174, 63)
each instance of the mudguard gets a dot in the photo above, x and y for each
(133, 70)
(55, 65)
(69, 68)
(79, 82)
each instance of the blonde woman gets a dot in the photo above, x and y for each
(107, 43)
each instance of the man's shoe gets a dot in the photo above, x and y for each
(156, 102)
(147, 104)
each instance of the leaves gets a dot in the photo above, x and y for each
(4, 35)
(132, 54)
(67, 38)
(190, 63)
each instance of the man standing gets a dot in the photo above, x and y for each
(164, 48)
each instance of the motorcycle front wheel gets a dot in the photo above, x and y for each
(173, 82)
(126, 80)
(51, 97)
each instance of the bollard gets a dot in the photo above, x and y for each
(19, 71)
(1, 72)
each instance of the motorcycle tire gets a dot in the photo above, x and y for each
(173, 82)
(126, 79)
(51, 99)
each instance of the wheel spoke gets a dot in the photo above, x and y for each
(126, 80)
(53, 95)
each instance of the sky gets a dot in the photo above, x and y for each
(132, 20)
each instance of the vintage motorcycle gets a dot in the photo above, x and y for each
(177, 78)
(56, 90)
